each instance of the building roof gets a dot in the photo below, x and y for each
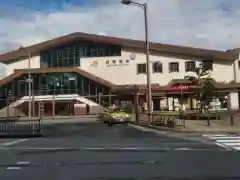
(86, 74)
(128, 43)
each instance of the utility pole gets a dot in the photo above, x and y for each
(29, 88)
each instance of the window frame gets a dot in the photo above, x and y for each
(171, 70)
(190, 69)
(141, 69)
(208, 62)
(157, 67)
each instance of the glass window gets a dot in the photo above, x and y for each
(70, 55)
(190, 66)
(141, 68)
(173, 67)
(208, 64)
(157, 67)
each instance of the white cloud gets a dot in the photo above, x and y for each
(209, 24)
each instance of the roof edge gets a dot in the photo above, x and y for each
(159, 47)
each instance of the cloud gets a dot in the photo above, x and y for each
(208, 24)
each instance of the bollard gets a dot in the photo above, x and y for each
(208, 121)
(232, 119)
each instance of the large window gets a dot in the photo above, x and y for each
(70, 55)
(52, 83)
(141, 68)
(157, 67)
(173, 67)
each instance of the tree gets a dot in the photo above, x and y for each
(201, 80)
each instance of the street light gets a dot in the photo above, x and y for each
(144, 7)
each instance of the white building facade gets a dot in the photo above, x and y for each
(128, 66)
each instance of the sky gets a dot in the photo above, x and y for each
(210, 24)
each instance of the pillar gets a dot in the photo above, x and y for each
(53, 106)
(233, 101)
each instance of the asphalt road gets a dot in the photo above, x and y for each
(96, 151)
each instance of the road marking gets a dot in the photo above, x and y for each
(182, 149)
(224, 137)
(227, 141)
(13, 168)
(223, 146)
(214, 135)
(232, 144)
(23, 163)
(105, 149)
(14, 142)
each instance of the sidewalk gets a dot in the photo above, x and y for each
(200, 126)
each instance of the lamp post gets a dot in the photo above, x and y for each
(144, 6)
(29, 88)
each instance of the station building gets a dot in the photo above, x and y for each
(95, 70)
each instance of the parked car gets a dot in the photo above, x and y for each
(115, 115)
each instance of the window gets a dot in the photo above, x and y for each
(87, 51)
(107, 61)
(157, 67)
(141, 68)
(70, 55)
(114, 61)
(190, 66)
(173, 67)
(127, 61)
(120, 61)
(208, 64)
(102, 52)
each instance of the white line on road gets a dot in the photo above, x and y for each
(14, 142)
(236, 148)
(13, 168)
(228, 140)
(232, 144)
(221, 145)
(139, 149)
(23, 163)
(213, 135)
(224, 137)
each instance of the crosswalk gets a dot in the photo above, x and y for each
(227, 141)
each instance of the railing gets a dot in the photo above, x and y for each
(174, 119)
(14, 126)
(161, 119)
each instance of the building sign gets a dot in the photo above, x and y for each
(118, 63)
(94, 63)
(133, 56)
(181, 86)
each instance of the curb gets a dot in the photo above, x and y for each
(183, 130)
(20, 136)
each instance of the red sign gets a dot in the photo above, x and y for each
(181, 86)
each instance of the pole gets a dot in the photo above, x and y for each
(148, 65)
(181, 91)
(29, 87)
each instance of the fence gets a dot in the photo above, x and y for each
(13, 126)
(174, 119)
(166, 120)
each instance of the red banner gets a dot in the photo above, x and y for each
(181, 86)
